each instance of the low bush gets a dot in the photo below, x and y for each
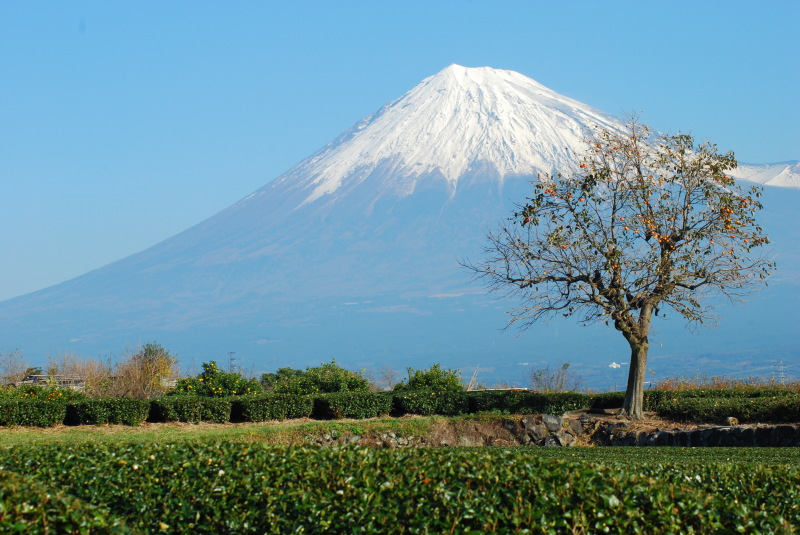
(248, 488)
(32, 412)
(268, 407)
(192, 409)
(435, 378)
(41, 393)
(352, 405)
(426, 402)
(100, 411)
(523, 402)
(27, 506)
(655, 399)
(216, 383)
(328, 378)
(762, 409)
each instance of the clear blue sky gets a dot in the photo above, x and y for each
(122, 124)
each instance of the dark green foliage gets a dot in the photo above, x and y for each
(774, 409)
(249, 488)
(190, 409)
(523, 402)
(41, 393)
(427, 402)
(766, 405)
(434, 378)
(32, 412)
(27, 506)
(352, 405)
(35, 406)
(325, 378)
(216, 383)
(284, 375)
(98, 411)
(268, 407)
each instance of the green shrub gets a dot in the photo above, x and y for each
(190, 409)
(216, 383)
(27, 506)
(522, 402)
(41, 393)
(224, 487)
(32, 412)
(434, 378)
(352, 405)
(100, 411)
(268, 407)
(426, 403)
(654, 399)
(325, 378)
(775, 409)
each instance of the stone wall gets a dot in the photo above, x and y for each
(569, 430)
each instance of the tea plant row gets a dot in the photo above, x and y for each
(247, 488)
(45, 407)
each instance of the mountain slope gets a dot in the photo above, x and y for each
(784, 175)
(353, 252)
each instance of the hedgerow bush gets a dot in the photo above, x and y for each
(41, 393)
(250, 488)
(268, 407)
(32, 412)
(522, 402)
(427, 402)
(325, 378)
(99, 411)
(213, 382)
(435, 378)
(352, 405)
(188, 408)
(655, 399)
(773, 409)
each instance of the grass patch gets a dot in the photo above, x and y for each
(276, 433)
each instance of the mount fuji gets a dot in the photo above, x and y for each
(354, 254)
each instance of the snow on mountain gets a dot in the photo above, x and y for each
(452, 124)
(784, 175)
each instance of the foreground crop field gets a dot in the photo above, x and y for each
(213, 486)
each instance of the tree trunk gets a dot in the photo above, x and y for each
(633, 406)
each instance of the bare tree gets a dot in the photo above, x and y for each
(13, 367)
(562, 379)
(96, 376)
(648, 222)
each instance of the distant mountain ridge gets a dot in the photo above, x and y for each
(354, 251)
(782, 174)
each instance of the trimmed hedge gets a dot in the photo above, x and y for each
(101, 411)
(268, 407)
(32, 412)
(426, 403)
(775, 409)
(711, 405)
(522, 402)
(671, 400)
(191, 409)
(352, 405)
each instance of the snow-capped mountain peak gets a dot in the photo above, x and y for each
(458, 121)
(783, 174)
